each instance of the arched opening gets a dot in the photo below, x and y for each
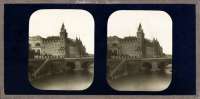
(38, 52)
(37, 44)
(109, 54)
(114, 45)
(31, 53)
(162, 65)
(87, 65)
(71, 65)
(147, 66)
(115, 52)
(165, 66)
(29, 46)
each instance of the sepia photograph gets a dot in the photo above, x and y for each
(61, 49)
(139, 50)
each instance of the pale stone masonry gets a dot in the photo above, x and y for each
(58, 46)
(134, 46)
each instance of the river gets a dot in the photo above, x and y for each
(143, 81)
(80, 80)
(70, 80)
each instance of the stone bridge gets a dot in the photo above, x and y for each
(126, 65)
(79, 63)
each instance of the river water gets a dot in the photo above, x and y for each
(143, 81)
(70, 80)
(80, 80)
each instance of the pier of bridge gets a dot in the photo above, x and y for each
(78, 63)
(118, 66)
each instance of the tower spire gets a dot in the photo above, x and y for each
(140, 37)
(63, 27)
(140, 28)
(63, 32)
(140, 31)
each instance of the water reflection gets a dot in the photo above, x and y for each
(70, 80)
(143, 81)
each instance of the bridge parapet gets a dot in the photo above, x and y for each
(123, 57)
(129, 58)
(60, 58)
(59, 64)
(48, 57)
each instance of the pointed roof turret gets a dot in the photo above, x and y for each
(63, 26)
(140, 27)
(140, 32)
(153, 39)
(63, 32)
(76, 38)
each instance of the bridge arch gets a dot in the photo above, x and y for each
(146, 65)
(86, 64)
(162, 65)
(71, 65)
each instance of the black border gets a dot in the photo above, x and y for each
(16, 21)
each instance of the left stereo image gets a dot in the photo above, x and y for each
(61, 49)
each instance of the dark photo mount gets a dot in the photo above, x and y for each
(64, 59)
(139, 53)
(16, 29)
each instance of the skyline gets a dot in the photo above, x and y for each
(78, 23)
(155, 24)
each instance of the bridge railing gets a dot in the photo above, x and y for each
(47, 57)
(59, 58)
(123, 57)
(137, 58)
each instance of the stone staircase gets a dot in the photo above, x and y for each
(40, 67)
(117, 70)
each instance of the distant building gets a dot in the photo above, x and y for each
(132, 46)
(60, 46)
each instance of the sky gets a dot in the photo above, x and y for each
(155, 24)
(78, 23)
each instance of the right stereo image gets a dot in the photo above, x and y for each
(139, 50)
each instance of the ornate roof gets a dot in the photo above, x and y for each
(53, 38)
(148, 43)
(130, 38)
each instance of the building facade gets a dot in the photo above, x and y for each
(58, 46)
(134, 46)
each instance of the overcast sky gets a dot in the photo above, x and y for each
(156, 24)
(78, 23)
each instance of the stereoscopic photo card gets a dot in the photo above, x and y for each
(100, 49)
